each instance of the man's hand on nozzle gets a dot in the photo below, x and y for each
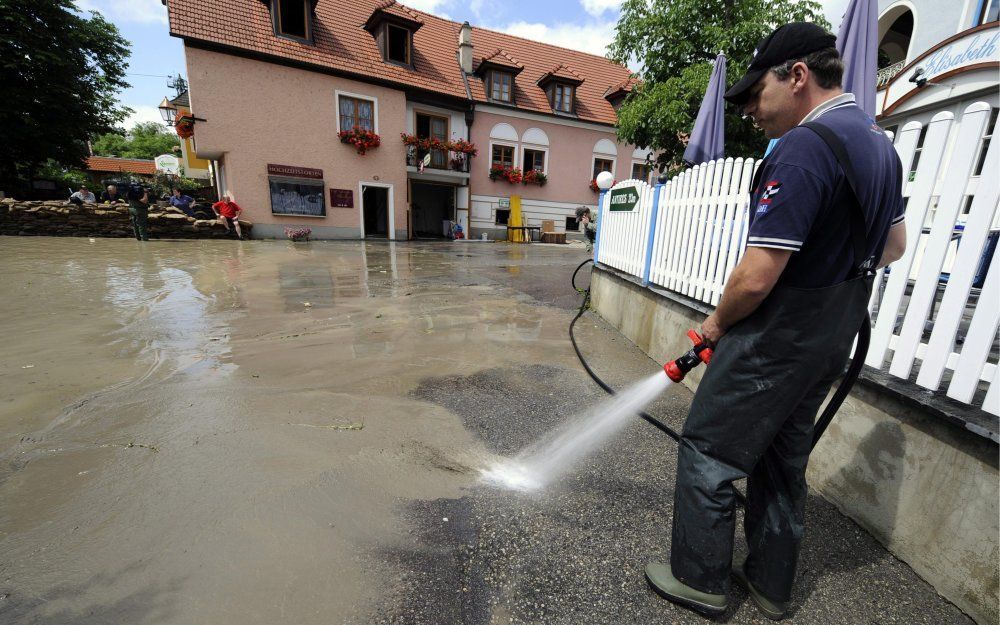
(711, 330)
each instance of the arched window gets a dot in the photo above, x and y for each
(503, 146)
(605, 157)
(535, 150)
(895, 31)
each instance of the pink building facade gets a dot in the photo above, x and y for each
(271, 97)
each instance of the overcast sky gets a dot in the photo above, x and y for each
(586, 25)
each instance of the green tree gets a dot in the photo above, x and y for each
(676, 42)
(60, 72)
(145, 140)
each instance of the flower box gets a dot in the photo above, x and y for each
(298, 234)
(362, 140)
(512, 175)
(533, 176)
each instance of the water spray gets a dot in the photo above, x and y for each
(539, 465)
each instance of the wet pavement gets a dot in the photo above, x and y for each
(266, 432)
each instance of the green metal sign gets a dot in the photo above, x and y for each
(624, 199)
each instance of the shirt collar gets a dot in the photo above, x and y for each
(844, 98)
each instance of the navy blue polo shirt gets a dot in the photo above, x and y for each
(802, 192)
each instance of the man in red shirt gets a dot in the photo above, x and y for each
(228, 211)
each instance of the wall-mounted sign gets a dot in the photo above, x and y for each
(624, 199)
(168, 164)
(341, 198)
(504, 202)
(294, 172)
(946, 63)
(965, 51)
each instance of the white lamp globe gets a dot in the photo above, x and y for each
(605, 180)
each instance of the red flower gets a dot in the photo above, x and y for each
(363, 140)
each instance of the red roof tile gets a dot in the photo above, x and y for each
(341, 45)
(124, 165)
(561, 72)
(502, 58)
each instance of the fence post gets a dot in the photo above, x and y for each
(647, 264)
(600, 220)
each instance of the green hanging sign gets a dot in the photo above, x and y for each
(624, 199)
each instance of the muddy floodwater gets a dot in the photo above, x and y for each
(218, 432)
(261, 432)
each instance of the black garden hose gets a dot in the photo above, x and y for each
(857, 363)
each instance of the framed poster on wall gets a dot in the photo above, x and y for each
(296, 191)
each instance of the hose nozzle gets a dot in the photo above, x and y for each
(701, 353)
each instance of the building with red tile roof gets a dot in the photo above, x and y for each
(112, 164)
(275, 81)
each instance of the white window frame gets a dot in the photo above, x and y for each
(515, 160)
(391, 225)
(605, 157)
(536, 148)
(638, 162)
(356, 96)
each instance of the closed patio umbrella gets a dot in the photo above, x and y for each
(708, 136)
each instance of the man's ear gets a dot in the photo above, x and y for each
(799, 75)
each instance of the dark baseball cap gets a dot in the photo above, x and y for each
(791, 41)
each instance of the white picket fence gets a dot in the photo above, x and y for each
(687, 235)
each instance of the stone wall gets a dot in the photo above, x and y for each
(63, 219)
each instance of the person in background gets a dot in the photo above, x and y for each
(111, 195)
(228, 211)
(83, 196)
(138, 211)
(185, 203)
(584, 218)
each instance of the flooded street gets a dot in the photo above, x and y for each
(217, 432)
(263, 432)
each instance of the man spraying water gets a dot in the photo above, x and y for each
(825, 211)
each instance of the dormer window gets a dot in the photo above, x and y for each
(393, 26)
(291, 18)
(397, 44)
(560, 86)
(498, 71)
(500, 86)
(561, 97)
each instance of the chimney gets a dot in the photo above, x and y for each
(465, 47)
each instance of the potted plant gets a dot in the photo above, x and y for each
(533, 176)
(512, 175)
(362, 140)
(464, 147)
(297, 235)
(184, 127)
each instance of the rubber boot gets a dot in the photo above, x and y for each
(662, 580)
(773, 610)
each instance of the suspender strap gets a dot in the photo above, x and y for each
(859, 224)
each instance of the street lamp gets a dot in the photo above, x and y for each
(605, 180)
(168, 111)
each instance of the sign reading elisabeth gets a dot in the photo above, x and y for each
(624, 199)
(296, 191)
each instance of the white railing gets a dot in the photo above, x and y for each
(688, 234)
(884, 75)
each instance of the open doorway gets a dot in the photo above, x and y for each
(431, 205)
(375, 206)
